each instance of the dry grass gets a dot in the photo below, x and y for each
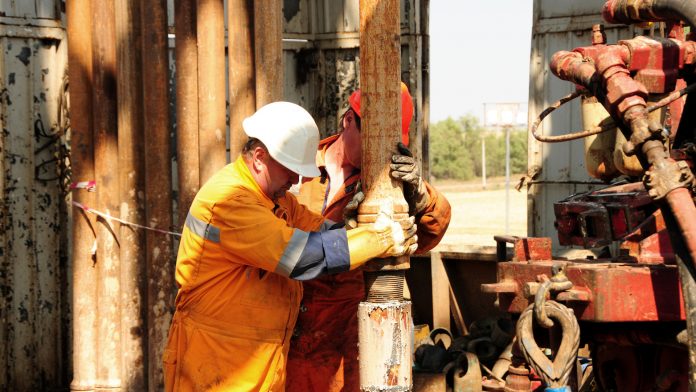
(479, 214)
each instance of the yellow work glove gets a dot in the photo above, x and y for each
(405, 169)
(384, 238)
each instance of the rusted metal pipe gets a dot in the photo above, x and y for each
(131, 183)
(268, 49)
(158, 185)
(186, 57)
(384, 319)
(105, 158)
(211, 87)
(84, 276)
(240, 47)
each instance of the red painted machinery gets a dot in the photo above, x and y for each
(634, 306)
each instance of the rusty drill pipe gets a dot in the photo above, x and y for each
(186, 57)
(211, 87)
(131, 184)
(268, 49)
(240, 21)
(384, 319)
(84, 290)
(158, 184)
(105, 154)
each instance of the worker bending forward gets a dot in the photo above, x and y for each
(324, 351)
(245, 247)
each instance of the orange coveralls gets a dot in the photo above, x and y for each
(324, 349)
(236, 306)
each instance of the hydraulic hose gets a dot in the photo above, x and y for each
(627, 12)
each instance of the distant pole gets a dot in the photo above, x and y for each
(483, 160)
(507, 179)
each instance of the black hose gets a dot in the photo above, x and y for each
(676, 10)
(617, 11)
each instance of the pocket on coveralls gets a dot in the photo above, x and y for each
(169, 360)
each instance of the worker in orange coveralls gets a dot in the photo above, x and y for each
(324, 351)
(246, 246)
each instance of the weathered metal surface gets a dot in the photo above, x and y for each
(161, 288)
(524, 248)
(380, 111)
(186, 58)
(131, 174)
(602, 292)
(558, 25)
(84, 277)
(385, 346)
(268, 49)
(105, 154)
(32, 209)
(212, 128)
(467, 374)
(35, 9)
(240, 19)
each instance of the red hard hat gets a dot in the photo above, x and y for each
(406, 109)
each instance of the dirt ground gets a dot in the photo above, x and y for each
(478, 214)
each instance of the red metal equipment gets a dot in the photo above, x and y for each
(632, 302)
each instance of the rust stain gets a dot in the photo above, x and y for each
(393, 375)
(378, 314)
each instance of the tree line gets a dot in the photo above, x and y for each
(455, 150)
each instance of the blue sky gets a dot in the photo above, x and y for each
(479, 53)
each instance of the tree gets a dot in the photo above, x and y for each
(449, 157)
(455, 150)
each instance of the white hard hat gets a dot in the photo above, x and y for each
(290, 134)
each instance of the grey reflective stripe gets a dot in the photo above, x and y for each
(203, 229)
(292, 252)
(328, 223)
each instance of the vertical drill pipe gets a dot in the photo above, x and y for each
(268, 49)
(240, 22)
(211, 87)
(131, 180)
(384, 319)
(186, 56)
(425, 87)
(105, 158)
(158, 185)
(84, 278)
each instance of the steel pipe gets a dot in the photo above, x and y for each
(210, 28)
(268, 49)
(384, 319)
(84, 277)
(158, 184)
(240, 46)
(105, 156)
(187, 147)
(131, 183)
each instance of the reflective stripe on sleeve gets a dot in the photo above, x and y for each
(203, 229)
(292, 252)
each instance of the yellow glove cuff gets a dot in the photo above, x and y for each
(365, 243)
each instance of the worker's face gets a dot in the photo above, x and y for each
(273, 178)
(351, 138)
